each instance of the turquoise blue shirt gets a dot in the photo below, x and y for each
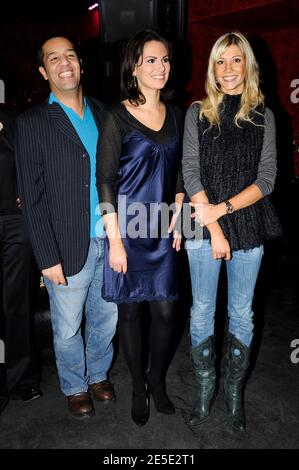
(88, 133)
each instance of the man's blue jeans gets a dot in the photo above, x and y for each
(242, 272)
(81, 363)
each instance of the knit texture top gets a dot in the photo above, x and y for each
(229, 161)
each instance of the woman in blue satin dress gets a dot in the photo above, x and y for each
(138, 171)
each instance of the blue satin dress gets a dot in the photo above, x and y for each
(147, 174)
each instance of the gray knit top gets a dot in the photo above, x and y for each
(191, 158)
(225, 161)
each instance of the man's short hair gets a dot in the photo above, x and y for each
(40, 50)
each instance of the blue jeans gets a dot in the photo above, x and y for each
(81, 363)
(242, 272)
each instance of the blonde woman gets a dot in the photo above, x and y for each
(229, 169)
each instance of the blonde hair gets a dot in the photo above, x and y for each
(252, 96)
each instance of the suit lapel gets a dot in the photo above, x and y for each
(62, 122)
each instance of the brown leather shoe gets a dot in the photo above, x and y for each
(80, 405)
(103, 391)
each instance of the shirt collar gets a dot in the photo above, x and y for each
(53, 99)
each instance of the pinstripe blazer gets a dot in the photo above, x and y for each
(53, 172)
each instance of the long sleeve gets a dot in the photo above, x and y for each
(180, 182)
(191, 157)
(180, 188)
(267, 166)
(33, 195)
(108, 157)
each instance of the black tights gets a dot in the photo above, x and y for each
(160, 340)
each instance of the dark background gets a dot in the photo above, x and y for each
(193, 26)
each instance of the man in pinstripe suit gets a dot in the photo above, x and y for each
(56, 145)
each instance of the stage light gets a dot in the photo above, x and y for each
(92, 7)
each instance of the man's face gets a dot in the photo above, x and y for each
(61, 66)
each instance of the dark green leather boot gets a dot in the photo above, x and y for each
(205, 375)
(235, 375)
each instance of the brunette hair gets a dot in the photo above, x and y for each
(132, 53)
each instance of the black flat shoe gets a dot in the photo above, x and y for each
(140, 408)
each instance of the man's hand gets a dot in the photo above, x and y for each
(55, 275)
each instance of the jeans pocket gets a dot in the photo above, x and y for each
(193, 244)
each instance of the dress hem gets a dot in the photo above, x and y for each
(149, 298)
